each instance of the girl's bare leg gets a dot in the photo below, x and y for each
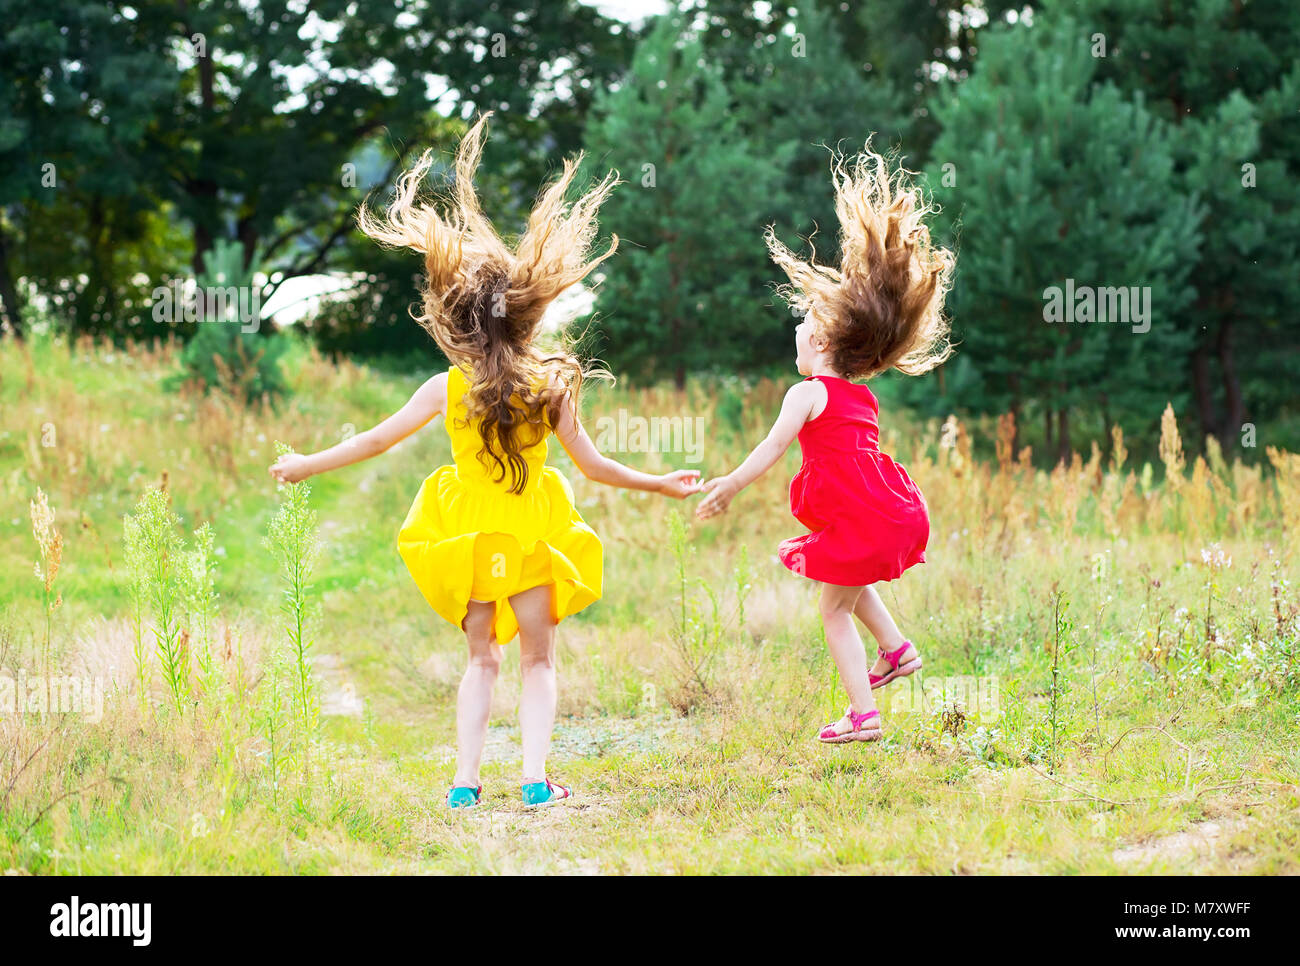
(537, 670)
(837, 608)
(474, 703)
(870, 609)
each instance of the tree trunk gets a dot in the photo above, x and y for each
(1048, 422)
(93, 307)
(203, 189)
(1201, 387)
(10, 303)
(1236, 407)
(1063, 421)
(248, 238)
(1013, 381)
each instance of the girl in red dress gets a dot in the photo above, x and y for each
(867, 521)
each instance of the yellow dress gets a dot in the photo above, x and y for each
(468, 537)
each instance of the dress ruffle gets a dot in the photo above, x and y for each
(853, 541)
(450, 513)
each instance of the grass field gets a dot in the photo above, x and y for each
(1112, 679)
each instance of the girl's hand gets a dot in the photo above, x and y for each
(291, 468)
(720, 489)
(679, 484)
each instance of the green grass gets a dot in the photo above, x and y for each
(669, 777)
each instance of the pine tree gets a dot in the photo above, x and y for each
(1049, 180)
(800, 89)
(1227, 74)
(687, 289)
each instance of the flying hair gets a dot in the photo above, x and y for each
(483, 300)
(882, 308)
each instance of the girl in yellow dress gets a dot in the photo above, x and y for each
(494, 542)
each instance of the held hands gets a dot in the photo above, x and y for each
(290, 468)
(679, 484)
(720, 491)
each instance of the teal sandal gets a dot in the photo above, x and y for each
(543, 793)
(461, 796)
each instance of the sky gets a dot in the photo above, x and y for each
(628, 10)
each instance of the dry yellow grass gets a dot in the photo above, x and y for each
(1177, 703)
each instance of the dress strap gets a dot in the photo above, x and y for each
(827, 381)
(457, 383)
(827, 384)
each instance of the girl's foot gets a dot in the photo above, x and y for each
(852, 727)
(462, 796)
(894, 664)
(543, 793)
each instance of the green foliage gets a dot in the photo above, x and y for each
(738, 108)
(242, 363)
(273, 719)
(373, 321)
(701, 630)
(372, 317)
(898, 49)
(292, 538)
(172, 595)
(232, 353)
(1046, 176)
(801, 91)
(172, 129)
(1227, 76)
(202, 604)
(82, 215)
(134, 141)
(681, 295)
(722, 128)
(161, 581)
(1059, 705)
(135, 554)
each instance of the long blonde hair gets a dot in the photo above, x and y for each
(483, 302)
(883, 307)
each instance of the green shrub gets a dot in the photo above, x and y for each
(232, 354)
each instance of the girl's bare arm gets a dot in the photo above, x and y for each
(795, 411)
(427, 401)
(601, 469)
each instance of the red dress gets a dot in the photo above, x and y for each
(868, 520)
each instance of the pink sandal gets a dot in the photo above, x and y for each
(879, 681)
(859, 729)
